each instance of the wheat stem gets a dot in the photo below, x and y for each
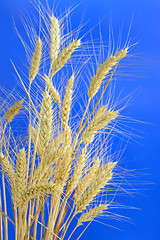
(1, 218)
(84, 230)
(25, 89)
(5, 208)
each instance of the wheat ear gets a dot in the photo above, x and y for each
(64, 56)
(103, 71)
(35, 63)
(20, 172)
(67, 102)
(97, 124)
(6, 166)
(103, 175)
(55, 38)
(46, 124)
(87, 179)
(52, 90)
(91, 214)
(63, 165)
(38, 190)
(77, 174)
(44, 166)
(13, 110)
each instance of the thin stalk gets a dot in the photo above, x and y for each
(35, 147)
(72, 232)
(53, 217)
(5, 208)
(1, 218)
(68, 226)
(29, 225)
(19, 223)
(83, 231)
(29, 141)
(36, 219)
(25, 89)
(62, 215)
(79, 130)
(16, 223)
(7, 217)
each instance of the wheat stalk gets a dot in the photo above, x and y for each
(61, 164)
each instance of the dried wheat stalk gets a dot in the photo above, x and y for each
(64, 165)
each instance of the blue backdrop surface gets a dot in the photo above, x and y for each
(141, 154)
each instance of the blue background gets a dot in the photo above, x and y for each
(142, 154)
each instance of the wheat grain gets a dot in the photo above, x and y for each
(63, 166)
(6, 166)
(45, 165)
(67, 102)
(91, 214)
(75, 179)
(87, 179)
(99, 113)
(20, 172)
(35, 63)
(52, 90)
(13, 111)
(9, 171)
(64, 56)
(38, 190)
(46, 124)
(97, 124)
(103, 70)
(55, 38)
(103, 175)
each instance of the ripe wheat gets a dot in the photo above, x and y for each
(58, 163)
